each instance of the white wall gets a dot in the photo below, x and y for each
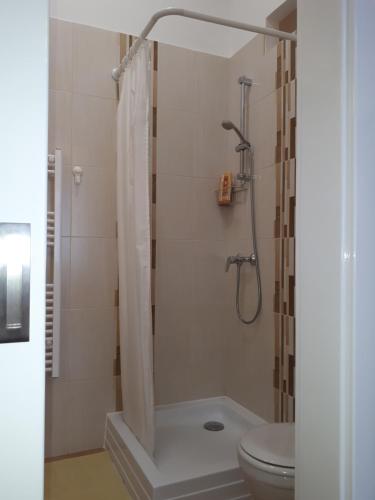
(23, 150)
(364, 178)
(324, 256)
(130, 16)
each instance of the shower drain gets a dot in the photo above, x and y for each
(212, 425)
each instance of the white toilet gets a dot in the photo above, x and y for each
(266, 456)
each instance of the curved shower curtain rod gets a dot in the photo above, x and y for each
(171, 11)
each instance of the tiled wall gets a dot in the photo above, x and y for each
(83, 102)
(285, 233)
(202, 349)
(191, 289)
(250, 348)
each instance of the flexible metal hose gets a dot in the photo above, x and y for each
(255, 251)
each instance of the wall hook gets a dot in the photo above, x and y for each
(77, 175)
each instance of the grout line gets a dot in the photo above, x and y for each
(74, 455)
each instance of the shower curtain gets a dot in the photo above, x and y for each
(134, 247)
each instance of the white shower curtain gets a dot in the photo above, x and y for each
(134, 247)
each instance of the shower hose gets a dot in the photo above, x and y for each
(255, 251)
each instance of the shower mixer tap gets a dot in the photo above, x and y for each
(239, 260)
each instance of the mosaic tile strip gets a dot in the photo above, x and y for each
(284, 233)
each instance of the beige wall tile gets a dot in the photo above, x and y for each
(208, 222)
(176, 149)
(92, 272)
(94, 203)
(88, 403)
(60, 124)
(57, 425)
(61, 55)
(77, 402)
(177, 320)
(212, 83)
(209, 279)
(263, 116)
(76, 412)
(207, 347)
(66, 208)
(174, 207)
(177, 72)
(88, 343)
(265, 202)
(65, 272)
(95, 53)
(172, 369)
(94, 131)
(211, 144)
(174, 280)
(221, 355)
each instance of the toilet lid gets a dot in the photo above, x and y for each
(271, 443)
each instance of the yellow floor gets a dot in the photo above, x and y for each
(88, 477)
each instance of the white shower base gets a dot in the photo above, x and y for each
(190, 462)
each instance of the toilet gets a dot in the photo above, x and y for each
(266, 456)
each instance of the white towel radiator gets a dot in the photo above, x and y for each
(53, 284)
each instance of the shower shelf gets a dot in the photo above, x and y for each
(53, 285)
(235, 190)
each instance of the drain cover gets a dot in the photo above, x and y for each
(212, 425)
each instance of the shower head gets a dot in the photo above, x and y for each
(228, 125)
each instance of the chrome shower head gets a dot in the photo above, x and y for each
(228, 125)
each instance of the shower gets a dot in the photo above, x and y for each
(246, 178)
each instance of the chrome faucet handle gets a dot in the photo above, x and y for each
(232, 259)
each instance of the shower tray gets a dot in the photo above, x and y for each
(191, 462)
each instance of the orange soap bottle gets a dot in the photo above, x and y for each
(225, 189)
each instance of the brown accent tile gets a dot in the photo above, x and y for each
(154, 155)
(277, 223)
(293, 60)
(282, 263)
(291, 295)
(117, 363)
(282, 343)
(291, 375)
(153, 319)
(123, 46)
(154, 188)
(276, 405)
(276, 373)
(156, 56)
(119, 406)
(154, 122)
(278, 72)
(276, 307)
(116, 298)
(292, 207)
(293, 138)
(153, 254)
(278, 147)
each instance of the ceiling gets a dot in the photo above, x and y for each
(130, 16)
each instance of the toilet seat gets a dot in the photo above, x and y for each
(270, 448)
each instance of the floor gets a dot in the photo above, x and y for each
(87, 477)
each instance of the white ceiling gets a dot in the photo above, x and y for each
(130, 16)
